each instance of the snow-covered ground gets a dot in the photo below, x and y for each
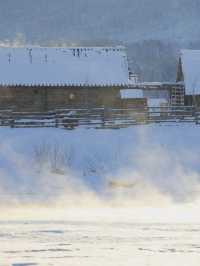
(52, 175)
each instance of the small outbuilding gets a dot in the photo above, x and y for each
(189, 73)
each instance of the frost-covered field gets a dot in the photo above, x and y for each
(57, 206)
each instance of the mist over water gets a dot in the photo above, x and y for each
(140, 173)
(89, 197)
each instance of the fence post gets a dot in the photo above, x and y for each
(103, 117)
(12, 120)
(196, 116)
(56, 119)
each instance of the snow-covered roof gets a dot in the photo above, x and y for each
(79, 66)
(191, 70)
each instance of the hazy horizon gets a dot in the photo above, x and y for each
(106, 20)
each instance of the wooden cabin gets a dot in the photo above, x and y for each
(42, 79)
(188, 74)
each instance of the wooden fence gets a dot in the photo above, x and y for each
(99, 117)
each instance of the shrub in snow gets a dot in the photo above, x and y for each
(53, 157)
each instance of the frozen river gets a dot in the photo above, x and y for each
(99, 243)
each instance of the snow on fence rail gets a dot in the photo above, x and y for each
(99, 117)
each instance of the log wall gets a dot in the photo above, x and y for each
(22, 98)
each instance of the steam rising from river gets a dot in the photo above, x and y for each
(137, 174)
